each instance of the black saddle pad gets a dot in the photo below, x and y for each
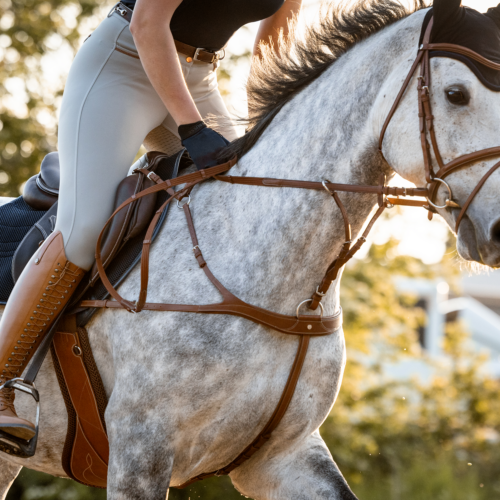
(16, 219)
(127, 258)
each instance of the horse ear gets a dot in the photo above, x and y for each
(494, 14)
(446, 14)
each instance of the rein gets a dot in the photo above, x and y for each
(308, 325)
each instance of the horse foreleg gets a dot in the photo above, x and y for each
(8, 472)
(306, 473)
(140, 463)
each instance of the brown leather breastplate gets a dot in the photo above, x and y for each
(305, 326)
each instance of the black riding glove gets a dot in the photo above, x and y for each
(203, 144)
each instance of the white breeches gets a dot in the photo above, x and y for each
(109, 109)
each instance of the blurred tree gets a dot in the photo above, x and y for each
(408, 439)
(30, 32)
(32, 485)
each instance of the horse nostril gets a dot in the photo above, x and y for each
(495, 232)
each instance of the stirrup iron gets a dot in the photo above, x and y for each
(13, 445)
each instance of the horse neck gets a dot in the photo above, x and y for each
(284, 239)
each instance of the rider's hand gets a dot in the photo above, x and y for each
(202, 144)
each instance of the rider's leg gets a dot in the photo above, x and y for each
(306, 471)
(105, 115)
(41, 292)
(108, 108)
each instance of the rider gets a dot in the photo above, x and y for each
(150, 65)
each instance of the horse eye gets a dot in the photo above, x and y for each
(457, 96)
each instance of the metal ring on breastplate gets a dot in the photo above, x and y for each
(185, 203)
(310, 300)
(446, 204)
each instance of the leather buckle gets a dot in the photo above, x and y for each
(215, 57)
(152, 176)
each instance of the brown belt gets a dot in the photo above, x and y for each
(192, 53)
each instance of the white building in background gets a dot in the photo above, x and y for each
(479, 308)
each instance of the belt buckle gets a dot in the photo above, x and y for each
(215, 57)
(121, 11)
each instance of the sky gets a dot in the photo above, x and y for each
(418, 237)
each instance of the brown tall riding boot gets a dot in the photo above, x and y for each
(43, 289)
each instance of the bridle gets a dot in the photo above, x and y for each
(303, 326)
(434, 179)
(427, 126)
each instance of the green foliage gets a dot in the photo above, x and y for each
(30, 32)
(410, 440)
(32, 485)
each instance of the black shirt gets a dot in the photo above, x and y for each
(210, 24)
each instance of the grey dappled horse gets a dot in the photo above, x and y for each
(187, 393)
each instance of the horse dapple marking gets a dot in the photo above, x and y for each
(188, 392)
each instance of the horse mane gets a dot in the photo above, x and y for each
(279, 76)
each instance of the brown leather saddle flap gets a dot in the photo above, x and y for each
(86, 450)
(135, 218)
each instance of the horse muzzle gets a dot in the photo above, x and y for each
(479, 241)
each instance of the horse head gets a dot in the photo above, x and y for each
(464, 95)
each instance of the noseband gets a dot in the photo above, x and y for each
(436, 179)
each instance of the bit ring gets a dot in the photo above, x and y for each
(446, 203)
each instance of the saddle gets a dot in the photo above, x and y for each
(85, 454)
(41, 190)
(41, 194)
(26, 222)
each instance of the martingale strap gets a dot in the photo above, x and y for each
(278, 414)
(293, 325)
